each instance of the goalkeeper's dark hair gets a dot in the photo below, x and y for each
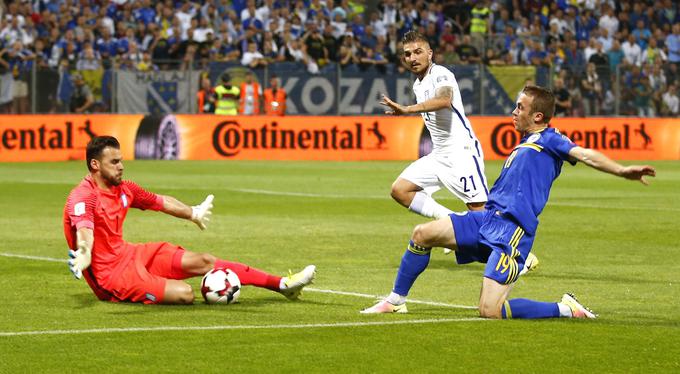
(414, 36)
(96, 146)
(544, 101)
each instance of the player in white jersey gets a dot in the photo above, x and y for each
(456, 161)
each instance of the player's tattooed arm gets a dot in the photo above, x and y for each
(441, 100)
(444, 93)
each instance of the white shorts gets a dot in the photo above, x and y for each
(462, 174)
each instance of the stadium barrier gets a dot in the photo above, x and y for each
(211, 137)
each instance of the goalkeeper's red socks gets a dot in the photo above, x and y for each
(250, 276)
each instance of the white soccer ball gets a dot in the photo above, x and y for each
(220, 286)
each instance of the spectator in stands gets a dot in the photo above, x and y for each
(89, 60)
(82, 100)
(573, 58)
(641, 34)
(562, 98)
(591, 90)
(347, 55)
(450, 56)
(631, 51)
(338, 24)
(253, 58)
(502, 22)
(330, 43)
(467, 52)
(658, 83)
(608, 20)
(274, 98)
(615, 56)
(20, 60)
(643, 96)
(653, 53)
(370, 58)
(314, 46)
(601, 61)
(673, 44)
(670, 106)
(591, 48)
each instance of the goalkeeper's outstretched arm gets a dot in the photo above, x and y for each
(199, 214)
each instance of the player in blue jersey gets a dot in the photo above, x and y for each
(502, 235)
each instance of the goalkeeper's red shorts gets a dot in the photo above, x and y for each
(144, 277)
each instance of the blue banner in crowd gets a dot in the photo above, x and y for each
(353, 91)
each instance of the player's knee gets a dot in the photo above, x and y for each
(396, 193)
(490, 311)
(421, 235)
(186, 295)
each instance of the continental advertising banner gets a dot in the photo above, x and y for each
(211, 137)
(618, 138)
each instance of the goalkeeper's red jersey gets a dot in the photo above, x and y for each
(104, 212)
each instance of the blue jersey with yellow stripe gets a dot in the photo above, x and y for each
(523, 188)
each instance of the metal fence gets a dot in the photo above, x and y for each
(334, 90)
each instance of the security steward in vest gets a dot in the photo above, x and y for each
(274, 98)
(227, 97)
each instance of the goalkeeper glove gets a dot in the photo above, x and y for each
(200, 214)
(80, 259)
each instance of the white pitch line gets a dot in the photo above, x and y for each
(238, 327)
(333, 292)
(303, 194)
(434, 303)
(37, 258)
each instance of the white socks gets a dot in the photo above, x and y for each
(396, 299)
(425, 205)
(565, 311)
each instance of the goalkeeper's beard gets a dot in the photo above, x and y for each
(113, 180)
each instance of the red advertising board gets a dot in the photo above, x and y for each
(212, 137)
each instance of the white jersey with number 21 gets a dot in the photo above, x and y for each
(457, 160)
(449, 128)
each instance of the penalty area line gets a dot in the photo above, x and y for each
(238, 327)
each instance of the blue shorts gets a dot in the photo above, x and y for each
(488, 237)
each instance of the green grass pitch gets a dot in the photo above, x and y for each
(612, 242)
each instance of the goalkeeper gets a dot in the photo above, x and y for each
(150, 273)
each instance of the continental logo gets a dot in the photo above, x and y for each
(64, 136)
(504, 138)
(229, 138)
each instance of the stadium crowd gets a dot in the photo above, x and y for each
(596, 48)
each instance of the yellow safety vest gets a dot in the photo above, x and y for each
(227, 100)
(479, 19)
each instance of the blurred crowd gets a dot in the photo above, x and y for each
(602, 52)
